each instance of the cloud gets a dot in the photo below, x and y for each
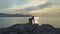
(52, 11)
(35, 7)
(15, 6)
(35, 3)
(44, 5)
(4, 4)
(28, 6)
(27, 3)
(30, 3)
(55, 1)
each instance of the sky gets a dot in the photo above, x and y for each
(32, 7)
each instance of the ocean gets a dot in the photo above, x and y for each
(9, 21)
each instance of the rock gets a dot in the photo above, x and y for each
(47, 29)
(30, 29)
(57, 30)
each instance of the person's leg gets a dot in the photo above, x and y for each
(30, 21)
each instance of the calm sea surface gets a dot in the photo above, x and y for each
(8, 21)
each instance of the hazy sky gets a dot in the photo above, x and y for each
(38, 7)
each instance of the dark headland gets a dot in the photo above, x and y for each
(14, 15)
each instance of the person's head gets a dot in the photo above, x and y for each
(32, 17)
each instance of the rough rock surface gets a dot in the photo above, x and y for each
(29, 29)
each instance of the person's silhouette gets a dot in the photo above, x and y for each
(31, 19)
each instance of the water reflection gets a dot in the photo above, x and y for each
(55, 21)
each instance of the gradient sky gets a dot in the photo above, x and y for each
(33, 7)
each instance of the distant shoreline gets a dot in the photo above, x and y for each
(14, 15)
(25, 16)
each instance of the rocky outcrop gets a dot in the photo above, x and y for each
(58, 30)
(47, 29)
(29, 29)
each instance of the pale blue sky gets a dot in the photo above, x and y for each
(7, 3)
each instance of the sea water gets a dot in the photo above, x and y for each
(9, 21)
